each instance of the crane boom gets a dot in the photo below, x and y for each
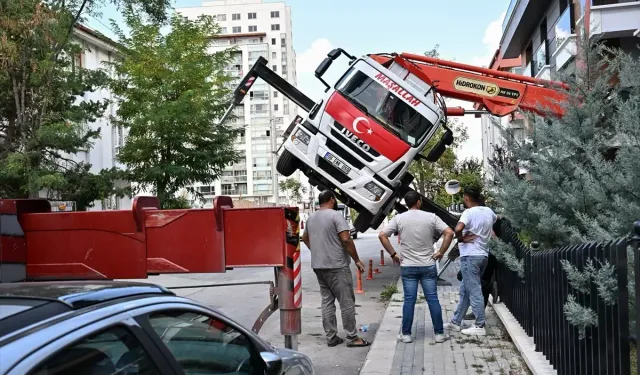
(500, 93)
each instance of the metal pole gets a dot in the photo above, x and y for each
(291, 342)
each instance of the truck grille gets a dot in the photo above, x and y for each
(344, 154)
(365, 155)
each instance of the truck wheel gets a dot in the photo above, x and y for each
(363, 221)
(287, 164)
(354, 235)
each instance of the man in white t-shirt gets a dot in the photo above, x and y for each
(473, 233)
(417, 230)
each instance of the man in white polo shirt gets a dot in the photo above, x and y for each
(473, 233)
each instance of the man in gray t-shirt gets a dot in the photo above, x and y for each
(329, 241)
(417, 230)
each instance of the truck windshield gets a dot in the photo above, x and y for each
(386, 107)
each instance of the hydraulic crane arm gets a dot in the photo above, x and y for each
(261, 70)
(500, 93)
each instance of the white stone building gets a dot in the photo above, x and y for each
(257, 29)
(97, 49)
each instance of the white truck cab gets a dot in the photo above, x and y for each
(362, 137)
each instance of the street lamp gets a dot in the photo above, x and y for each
(452, 187)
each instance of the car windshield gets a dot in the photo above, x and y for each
(387, 108)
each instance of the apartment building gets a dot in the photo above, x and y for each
(256, 29)
(539, 40)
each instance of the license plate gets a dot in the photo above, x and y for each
(337, 163)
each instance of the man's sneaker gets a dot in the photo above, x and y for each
(404, 338)
(452, 327)
(442, 337)
(474, 331)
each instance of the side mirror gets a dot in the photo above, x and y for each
(436, 152)
(273, 363)
(322, 68)
(334, 54)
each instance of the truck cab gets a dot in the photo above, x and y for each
(361, 138)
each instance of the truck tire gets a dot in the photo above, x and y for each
(355, 235)
(287, 164)
(363, 221)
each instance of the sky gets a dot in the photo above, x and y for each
(467, 31)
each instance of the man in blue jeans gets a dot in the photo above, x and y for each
(417, 231)
(473, 233)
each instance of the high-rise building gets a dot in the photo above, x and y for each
(539, 40)
(256, 29)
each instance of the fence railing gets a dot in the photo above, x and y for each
(537, 299)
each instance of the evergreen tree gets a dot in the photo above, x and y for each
(583, 170)
(172, 90)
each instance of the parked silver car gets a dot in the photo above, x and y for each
(124, 328)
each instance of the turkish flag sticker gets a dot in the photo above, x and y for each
(365, 128)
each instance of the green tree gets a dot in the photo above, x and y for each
(293, 189)
(172, 89)
(583, 168)
(42, 121)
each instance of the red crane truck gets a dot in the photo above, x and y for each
(361, 138)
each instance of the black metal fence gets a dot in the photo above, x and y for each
(538, 298)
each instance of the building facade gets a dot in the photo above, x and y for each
(539, 40)
(96, 50)
(255, 29)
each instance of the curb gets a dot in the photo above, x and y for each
(536, 361)
(380, 357)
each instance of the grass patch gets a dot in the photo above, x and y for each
(491, 358)
(388, 291)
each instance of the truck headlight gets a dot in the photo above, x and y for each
(375, 190)
(301, 137)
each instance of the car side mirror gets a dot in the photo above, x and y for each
(272, 362)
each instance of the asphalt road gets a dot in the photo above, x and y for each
(244, 303)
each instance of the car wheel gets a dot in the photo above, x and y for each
(287, 164)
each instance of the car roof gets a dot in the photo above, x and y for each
(27, 303)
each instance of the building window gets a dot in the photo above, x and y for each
(274, 55)
(275, 27)
(261, 175)
(275, 94)
(274, 68)
(285, 109)
(223, 30)
(275, 107)
(273, 41)
(252, 16)
(235, 17)
(283, 41)
(564, 27)
(221, 17)
(275, 14)
(253, 29)
(541, 56)
(237, 29)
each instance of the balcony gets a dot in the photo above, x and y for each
(519, 24)
(540, 64)
(616, 19)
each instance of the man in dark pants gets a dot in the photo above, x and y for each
(332, 250)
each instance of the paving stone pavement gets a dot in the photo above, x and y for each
(492, 354)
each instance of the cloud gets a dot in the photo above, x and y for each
(308, 61)
(491, 40)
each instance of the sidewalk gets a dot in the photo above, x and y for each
(492, 354)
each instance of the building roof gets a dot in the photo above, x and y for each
(96, 34)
